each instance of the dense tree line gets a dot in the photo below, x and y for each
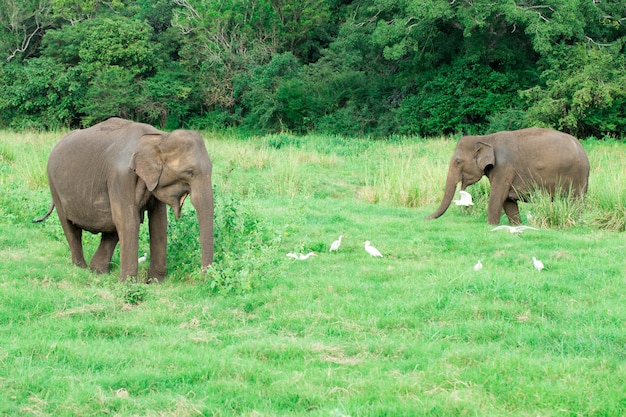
(375, 67)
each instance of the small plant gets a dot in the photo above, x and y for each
(134, 292)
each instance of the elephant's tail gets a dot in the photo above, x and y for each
(45, 216)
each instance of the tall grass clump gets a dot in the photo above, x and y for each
(396, 181)
(607, 200)
(612, 218)
(560, 211)
(30, 156)
(27, 155)
(607, 185)
(410, 174)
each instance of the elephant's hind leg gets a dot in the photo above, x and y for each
(74, 236)
(512, 212)
(101, 261)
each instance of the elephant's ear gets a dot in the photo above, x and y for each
(147, 160)
(485, 156)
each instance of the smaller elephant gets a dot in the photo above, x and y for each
(516, 163)
(104, 179)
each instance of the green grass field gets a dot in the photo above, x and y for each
(417, 332)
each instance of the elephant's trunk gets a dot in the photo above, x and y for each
(451, 182)
(203, 203)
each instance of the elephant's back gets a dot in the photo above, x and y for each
(550, 146)
(558, 159)
(85, 150)
(568, 153)
(77, 155)
(78, 176)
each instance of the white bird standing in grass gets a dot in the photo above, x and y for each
(142, 258)
(465, 200)
(514, 229)
(334, 247)
(538, 264)
(303, 257)
(478, 266)
(372, 250)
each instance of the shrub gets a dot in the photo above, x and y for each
(244, 248)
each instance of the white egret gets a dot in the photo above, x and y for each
(142, 258)
(304, 257)
(538, 264)
(514, 229)
(465, 200)
(335, 245)
(372, 250)
(292, 255)
(478, 266)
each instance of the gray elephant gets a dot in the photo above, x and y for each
(104, 178)
(516, 163)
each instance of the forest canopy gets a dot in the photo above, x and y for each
(374, 67)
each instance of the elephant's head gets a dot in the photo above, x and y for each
(472, 159)
(174, 166)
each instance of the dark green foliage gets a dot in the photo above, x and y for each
(460, 97)
(273, 97)
(585, 93)
(39, 94)
(112, 93)
(370, 67)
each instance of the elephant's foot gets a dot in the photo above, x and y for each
(100, 269)
(79, 263)
(156, 277)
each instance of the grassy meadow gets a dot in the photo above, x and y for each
(417, 332)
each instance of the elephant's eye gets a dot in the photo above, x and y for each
(190, 173)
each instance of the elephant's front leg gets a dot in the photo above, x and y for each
(128, 231)
(512, 212)
(494, 208)
(157, 226)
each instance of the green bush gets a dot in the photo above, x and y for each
(244, 248)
